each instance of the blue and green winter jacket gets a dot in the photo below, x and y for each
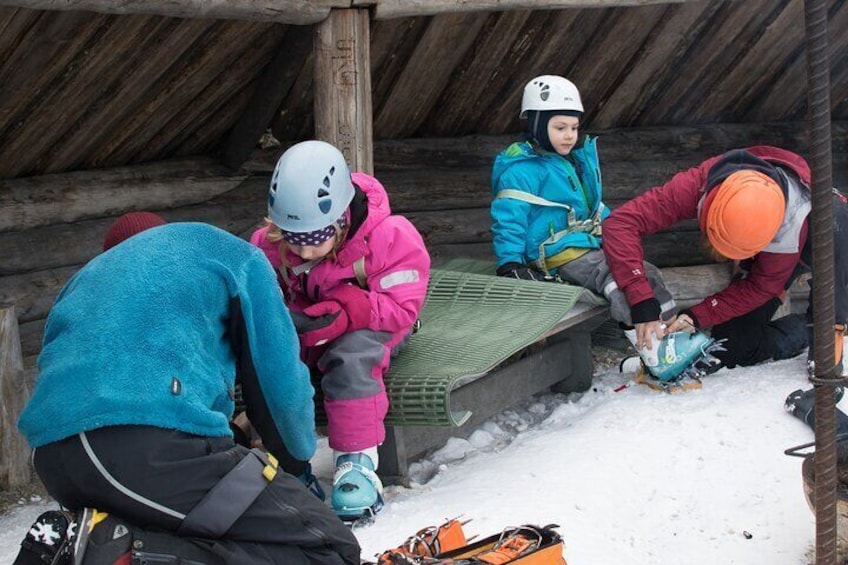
(521, 227)
(153, 332)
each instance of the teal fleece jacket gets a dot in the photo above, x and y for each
(153, 331)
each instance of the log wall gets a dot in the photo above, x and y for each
(51, 225)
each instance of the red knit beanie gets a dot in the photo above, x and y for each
(128, 225)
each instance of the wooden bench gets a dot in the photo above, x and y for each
(561, 361)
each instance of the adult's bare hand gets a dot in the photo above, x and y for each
(681, 323)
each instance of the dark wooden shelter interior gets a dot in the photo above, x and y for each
(102, 113)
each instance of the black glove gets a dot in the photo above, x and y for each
(523, 272)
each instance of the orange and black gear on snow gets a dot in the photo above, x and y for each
(523, 545)
(431, 541)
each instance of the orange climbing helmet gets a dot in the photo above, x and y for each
(741, 216)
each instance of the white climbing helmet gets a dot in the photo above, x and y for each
(550, 92)
(310, 188)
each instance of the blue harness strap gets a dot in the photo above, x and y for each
(230, 497)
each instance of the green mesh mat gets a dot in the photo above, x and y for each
(470, 324)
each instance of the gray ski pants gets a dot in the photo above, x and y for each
(592, 272)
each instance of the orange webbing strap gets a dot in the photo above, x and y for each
(450, 536)
(433, 540)
(426, 544)
(840, 332)
(397, 557)
(508, 550)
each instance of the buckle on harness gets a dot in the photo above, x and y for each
(270, 469)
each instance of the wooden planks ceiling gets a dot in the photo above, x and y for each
(80, 90)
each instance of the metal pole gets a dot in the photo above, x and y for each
(821, 233)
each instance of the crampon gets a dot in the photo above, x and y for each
(430, 541)
(522, 545)
(678, 371)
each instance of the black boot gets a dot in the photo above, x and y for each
(801, 404)
(48, 540)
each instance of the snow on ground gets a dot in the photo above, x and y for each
(633, 477)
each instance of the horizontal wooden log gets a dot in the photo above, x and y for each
(437, 189)
(689, 285)
(688, 144)
(443, 189)
(444, 252)
(388, 9)
(447, 189)
(237, 211)
(449, 227)
(281, 11)
(679, 143)
(62, 245)
(70, 197)
(33, 293)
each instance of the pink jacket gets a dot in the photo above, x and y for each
(397, 265)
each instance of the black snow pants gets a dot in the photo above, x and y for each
(153, 477)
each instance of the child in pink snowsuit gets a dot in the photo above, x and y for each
(354, 277)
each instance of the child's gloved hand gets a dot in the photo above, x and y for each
(523, 272)
(355, 303)
(328, 321)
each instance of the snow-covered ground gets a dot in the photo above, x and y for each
(633, 477)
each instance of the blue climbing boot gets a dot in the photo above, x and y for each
(679, 355)
(357, 491)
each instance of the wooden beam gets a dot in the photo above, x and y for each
(270, 91)
(281, 11)
(388, 9)
(342, 86)
(14, 452)
(33, 293)
(69, 197)
(238, 211)
(624, 145)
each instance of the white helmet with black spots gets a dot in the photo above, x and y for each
(550, 92)
(310, 189)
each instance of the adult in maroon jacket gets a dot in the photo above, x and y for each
(752, 206)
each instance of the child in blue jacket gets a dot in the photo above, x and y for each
(548, 208)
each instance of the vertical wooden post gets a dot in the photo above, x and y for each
(342, 85)
(14, 452)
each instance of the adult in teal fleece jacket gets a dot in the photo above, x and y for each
(131, 409)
